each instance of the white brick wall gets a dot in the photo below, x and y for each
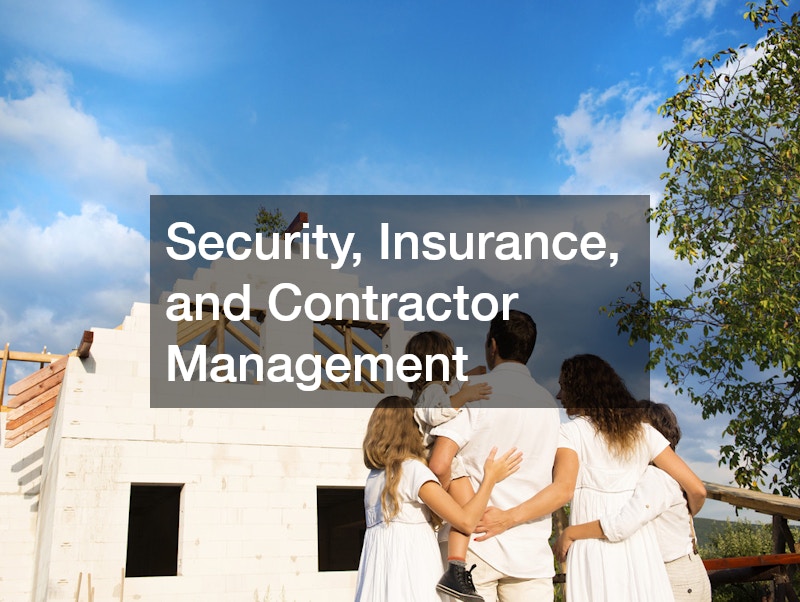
(20, 469)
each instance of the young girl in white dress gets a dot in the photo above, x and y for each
(613, 447)
(400, 559)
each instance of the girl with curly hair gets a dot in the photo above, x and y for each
(400, 559)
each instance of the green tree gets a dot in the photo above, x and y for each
(270, 221)
(730, 208)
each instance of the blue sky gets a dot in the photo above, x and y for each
(105, 103)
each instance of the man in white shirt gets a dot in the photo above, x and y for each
(516, 565)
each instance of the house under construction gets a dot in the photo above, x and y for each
(104, 498)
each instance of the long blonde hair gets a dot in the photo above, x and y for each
(392, 437)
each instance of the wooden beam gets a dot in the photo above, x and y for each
(379, 328)
(759, 501)
(332, 346)
(241, 338)
(357, 340)
(253, 326)
(327, 341)
(297, 223)
(86, 344)
(348, 351)
(27, 356)
(3, 373)
(765, 560)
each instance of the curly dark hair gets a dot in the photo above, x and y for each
(590, 387)
(663, 419)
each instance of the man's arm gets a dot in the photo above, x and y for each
(547, 501)
(444, 450)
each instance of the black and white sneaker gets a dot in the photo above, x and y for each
(457, 583)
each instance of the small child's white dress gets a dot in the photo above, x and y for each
(432, 407)
(400, 560)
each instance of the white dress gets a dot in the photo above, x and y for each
(400, 560)
(629, 570)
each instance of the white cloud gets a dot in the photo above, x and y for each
(676, 13)
(611, 142)
(49, 128)
(67, 276)
(90, 33)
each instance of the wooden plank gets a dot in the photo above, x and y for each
(86, 344)
(191, 330)
(210, 337)
(242, 338)
(253, 326)
(759, 501)
(379, 328)
(34, 403)
(327, 341)
(27, 356)
(29, 431)
(54, 380)
(357, 340)
(30, 416)
(221, 334)
(348, 351)
(765, 560)
(332, 346)
(37, 377)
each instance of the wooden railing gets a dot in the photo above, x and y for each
(778, 567)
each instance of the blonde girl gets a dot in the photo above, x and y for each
(400, 558)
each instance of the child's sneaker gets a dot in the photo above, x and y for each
(457, 582)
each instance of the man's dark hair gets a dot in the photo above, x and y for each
(515, 337)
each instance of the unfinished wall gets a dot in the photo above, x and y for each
(20, 470)
(248, 528)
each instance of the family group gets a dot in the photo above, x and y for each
(477, 469)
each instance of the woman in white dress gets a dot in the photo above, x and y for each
(613, 447)
(657, 498)
(400, 559)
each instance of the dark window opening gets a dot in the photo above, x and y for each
(153, 521)
(340, 527)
